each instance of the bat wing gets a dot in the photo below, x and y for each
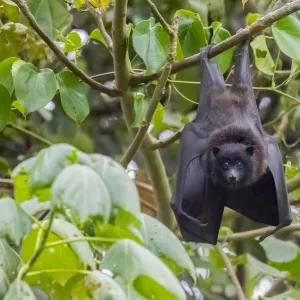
(197, 206)
(266, 201)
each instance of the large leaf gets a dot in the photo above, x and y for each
(34, 206)
(73, 94)
(51, 161)
(103, 287)
(191, 32)
(34, 89)
(82, 190)
(220, 34)
(263, 59)
(162, 242)
(20, 176)
(66, 231)
(5, 104)
(286, 32)
(5, 73)
(14, 223)
(9, 261)
(51, 15)
(4, 283)
(279, 251)
(57, 257)
(151, 42)
(123, 192)
(141, 272)
(19, 290)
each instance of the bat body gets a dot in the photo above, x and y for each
(228, 124)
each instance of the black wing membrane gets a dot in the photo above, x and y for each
(198, 205)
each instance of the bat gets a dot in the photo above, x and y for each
(205, 184)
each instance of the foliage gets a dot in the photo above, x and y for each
(101, 244)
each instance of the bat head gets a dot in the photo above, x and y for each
(231, 165)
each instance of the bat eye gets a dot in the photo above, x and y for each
(226, 165)
(239, 165)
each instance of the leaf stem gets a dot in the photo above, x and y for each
(30, 133)
(231, 273)
(61, 56)
(39, 247)
(84, 272)
(82, 239)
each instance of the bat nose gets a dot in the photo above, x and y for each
(232, 178)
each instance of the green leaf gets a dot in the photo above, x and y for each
(51, 15)
(97, 35)
(66, 231)
(263, 59)
(158, 115)
(162, 241)
(82, 190)
(10, 9)
(191, 32)
(140, 108)
(290, 294)
(9, 261)
(287, 36)
(73, 95)
(103, 287)
(122, 190)
(220, 34)
(251, 18)
(151, 42)
(5, 104)
(79, 3)
(34, 89)
(279, 251)
(34, 206)
(258, 267)
(4, 284)
(5, 73)
(19, 290)
(57, 257)
(72, 41)
(141, 272)
(14, 223)
(20, 175)
(58, 157)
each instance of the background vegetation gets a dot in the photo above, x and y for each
(95, 90)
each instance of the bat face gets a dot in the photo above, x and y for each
(231, 166)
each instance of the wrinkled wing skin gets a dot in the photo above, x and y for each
(198, 209)
(197, 204)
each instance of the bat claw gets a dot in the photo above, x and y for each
(264, 236)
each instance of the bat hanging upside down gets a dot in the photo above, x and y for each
(227, 159)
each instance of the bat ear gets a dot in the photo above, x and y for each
(242, 73)
(250, 150)
(211, 80)
(215, 151)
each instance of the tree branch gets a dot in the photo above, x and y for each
(158, 15)
(257, 233)
(102, 29)
(60, 55)
(231, 273)
(242, 35)
(162, 81)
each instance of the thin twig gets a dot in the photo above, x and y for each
(158, 144)
(256, 27)
(106, 36)
(162, 81)
(231, 273)
(161, 19)
(39, 247)
(30, 133)
(60, 55)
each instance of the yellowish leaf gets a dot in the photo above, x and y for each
(79, 3)
(103, 4)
